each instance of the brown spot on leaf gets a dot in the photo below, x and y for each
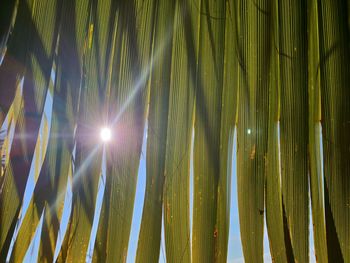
(252, 153)
(168, 213)
(215, 232)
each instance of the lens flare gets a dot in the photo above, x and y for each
(106, 134)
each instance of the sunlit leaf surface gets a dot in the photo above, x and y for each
(194, 71)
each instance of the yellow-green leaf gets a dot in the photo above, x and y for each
(149, 236)
(335, 105)
(316, 161)
(292, 49)
(253, 51)
(206, 160)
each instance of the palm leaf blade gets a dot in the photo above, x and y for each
(316, 173)
(149, 236)
(254, 56)
(294, 124)
(38, 59)
(334, 70)
(206, 155)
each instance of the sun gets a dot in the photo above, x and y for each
(105, 134)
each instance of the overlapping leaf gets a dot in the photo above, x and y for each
(160, 77)
(57, 166)
(176, 191)
(292, 49)
(316, 166)
(34, 62)
(335, 105)
(206, 155)
(186, 61)
(89, 149)
(253, 51)
(126, 105)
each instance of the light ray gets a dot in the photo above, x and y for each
(77, 175)
(67, 208)
(98, 207)
(141, 82)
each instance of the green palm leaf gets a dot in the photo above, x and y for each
(273, 197)
(228, 120)
(192, 70)
(37, 62)
(334, 72)
(206, 155)
(294, 125)
(176, 191)
(316, 172)
(253, 50)
(160, 77)
(128, 93)
(88, 156)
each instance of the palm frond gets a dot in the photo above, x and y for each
(208, 115)
(193, 71)
(334, 73)
(127, 106)
(292, 49)
(160, 77)
(315, 129)
(37, 59)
